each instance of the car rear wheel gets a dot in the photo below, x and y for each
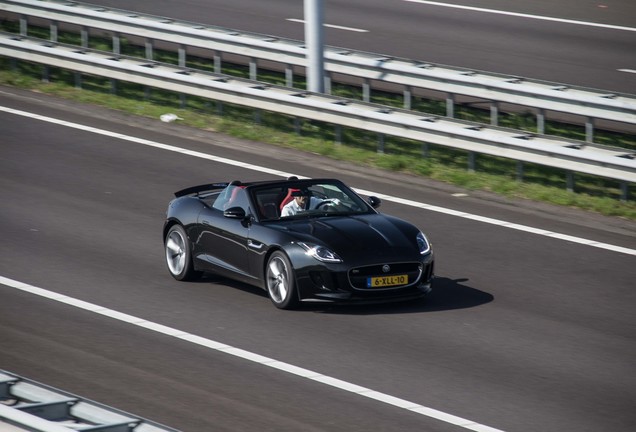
(281, 285)
(178, 254)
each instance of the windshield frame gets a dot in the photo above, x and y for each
(333, 197)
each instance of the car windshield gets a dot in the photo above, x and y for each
(306, 199)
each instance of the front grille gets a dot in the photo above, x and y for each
(359, 276)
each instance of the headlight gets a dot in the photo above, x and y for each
(422, 243)
(321, 253)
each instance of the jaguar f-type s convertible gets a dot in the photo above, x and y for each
(300, 240)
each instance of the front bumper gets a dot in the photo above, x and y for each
(337, 284)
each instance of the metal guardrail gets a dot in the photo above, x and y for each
(27, 405)
(543, 96)
(570, 155)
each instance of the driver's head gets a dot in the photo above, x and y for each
(301, 197)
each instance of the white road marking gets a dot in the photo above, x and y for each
(353, 29)
(522, 15)
(284, 174)
(250, 356)
(627, 70)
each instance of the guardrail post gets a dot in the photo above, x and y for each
(24, 25)
(381, 143)
(78, 80)
(541, 121)
(327, 89)
(84, 37)
(289, 75)
(471, 161)
(297, 125)
(116, 44)
(407, 97)
(253, 69)
(425, 149)
(338, 134)
(218, 62)
(149, 47)
(450, 105)
(45, 74)
(113, 86)
(520, 168)
(366, 90)
(494, 113)
(570, 181)
(53, 31)
(589, 130)
(624, 191)
(182, 56)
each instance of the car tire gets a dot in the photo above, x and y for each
(179, 255)
(281, 282)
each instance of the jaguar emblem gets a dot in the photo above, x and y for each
(386, 268)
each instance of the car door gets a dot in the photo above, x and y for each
(222, 243)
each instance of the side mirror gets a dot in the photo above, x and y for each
(374, 201)
(234, 213)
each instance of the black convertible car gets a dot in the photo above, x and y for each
(300, 240)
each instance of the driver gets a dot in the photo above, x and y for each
(299, 203)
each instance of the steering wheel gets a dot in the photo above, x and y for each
(327, 204)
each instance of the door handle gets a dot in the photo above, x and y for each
(254, 245)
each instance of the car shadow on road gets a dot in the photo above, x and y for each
(447, 294)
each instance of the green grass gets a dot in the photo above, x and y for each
(492, 174)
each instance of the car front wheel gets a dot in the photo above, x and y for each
(178, 254)
(281, 285)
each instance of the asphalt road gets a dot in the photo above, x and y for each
(523, 332)
(588, 43)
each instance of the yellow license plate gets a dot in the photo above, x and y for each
(385, 281)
